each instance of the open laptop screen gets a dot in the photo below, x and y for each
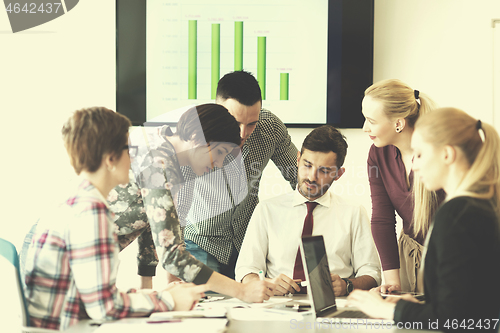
(318, 272)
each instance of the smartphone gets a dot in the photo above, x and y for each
(397, 293)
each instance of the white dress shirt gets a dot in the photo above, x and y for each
(275, 229)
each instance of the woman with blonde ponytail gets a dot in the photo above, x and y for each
(460, 155)
(391, 109)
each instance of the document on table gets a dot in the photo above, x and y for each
(262, 314)
(210, 325)
(236, 303)
(197, 313)
(265, 311)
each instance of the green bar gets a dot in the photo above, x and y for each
(284, 86)
(261, 64)
(238, 45)
(192, 50)
(215, 57)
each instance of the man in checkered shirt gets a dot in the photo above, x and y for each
(217, 219)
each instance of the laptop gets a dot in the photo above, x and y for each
(320, 289)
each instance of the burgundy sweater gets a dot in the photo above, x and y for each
(390, 194)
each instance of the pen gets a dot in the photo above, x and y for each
(160, 321)
(261, 275)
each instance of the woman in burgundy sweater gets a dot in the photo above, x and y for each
(460, 154)
(391, 109)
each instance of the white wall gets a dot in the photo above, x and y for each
(45, 73)
(441, 47)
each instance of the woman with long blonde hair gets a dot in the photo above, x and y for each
(461, 155)
(391, 109)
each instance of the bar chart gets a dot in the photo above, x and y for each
(192, 44)
(238, 60)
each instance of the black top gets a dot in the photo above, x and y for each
(462, 270)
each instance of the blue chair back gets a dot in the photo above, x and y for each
(15, 310)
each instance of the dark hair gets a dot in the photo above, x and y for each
(325, 139)
(241, 86)
(92, 132)
(208, 123)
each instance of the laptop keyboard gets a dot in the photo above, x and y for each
(350, 314)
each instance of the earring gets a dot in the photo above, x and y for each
(112, 169)
(398, 129)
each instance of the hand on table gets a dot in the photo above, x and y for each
(186, 295)
(257, 291)
(284, 285)
(387, 288)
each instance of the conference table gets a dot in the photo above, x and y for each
(239, 324)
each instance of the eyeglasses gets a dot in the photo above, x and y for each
(132, 150)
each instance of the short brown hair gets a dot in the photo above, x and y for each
(92, 132)
(325, 139)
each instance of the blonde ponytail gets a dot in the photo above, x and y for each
(399, 100)
(425, 202)
(483, 178)
(425, 205)
(454, 127)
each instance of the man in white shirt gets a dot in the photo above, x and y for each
(273, 235)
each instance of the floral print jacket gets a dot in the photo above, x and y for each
(145, 209)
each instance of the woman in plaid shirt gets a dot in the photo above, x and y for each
(73, 260)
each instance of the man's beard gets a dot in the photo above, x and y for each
(309, 194)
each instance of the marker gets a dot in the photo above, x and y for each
(301, 283)
(261, 275)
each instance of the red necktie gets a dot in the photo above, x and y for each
(298, 270)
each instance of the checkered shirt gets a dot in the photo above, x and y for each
(217, 233)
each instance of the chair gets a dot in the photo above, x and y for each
(24, 252)
(14, 316)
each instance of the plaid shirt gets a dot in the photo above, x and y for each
(218, 233)
(72, 264)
